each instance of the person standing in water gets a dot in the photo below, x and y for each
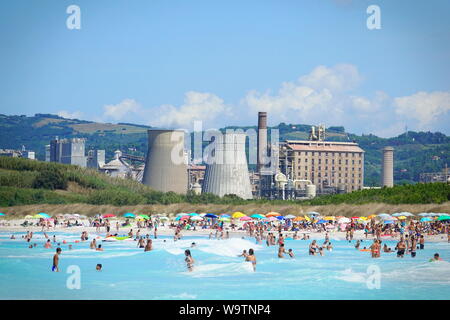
(251, 258)
(281, 251)
(148, 246)
(189, 260)
(56, 260)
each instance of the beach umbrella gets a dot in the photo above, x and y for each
(43, 215)
(224, 219)
(299, 219)
(257, 216)
(210, 215)
(443, 218)
(237, 215)
(397, 214)
(355, 218)
(329, 218)
(245, 218)
(307, 218)
(146, 217)
(424, 214)
(163, 218)
(344, 220)
(271, 219)
(129, 215)
(426, 219)
(224, 215)
(321, 221)
(272, 214)
(401, 218)
(280, 218)
(388, 221)
(28, 217)
(193, 214)
(1, 214)
(36, 216)
(384, 215)
(109, 215)
(289, 216)
(313, 213)
(181, 214)
(196, 218)
(202, 214)
(372, 216)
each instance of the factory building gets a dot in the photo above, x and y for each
(96, 159)
(68, 151)
(337, 166)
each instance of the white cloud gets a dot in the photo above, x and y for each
(320, 96)
(121, 110)
(202, 106)
(424, 107)
(70, 115)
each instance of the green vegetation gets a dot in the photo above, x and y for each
(24, 181)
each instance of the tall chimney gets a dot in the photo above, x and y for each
(262, 140)
(387, 167)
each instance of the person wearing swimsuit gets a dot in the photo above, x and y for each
(189, 260)
(251, 258)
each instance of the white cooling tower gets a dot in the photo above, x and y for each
(228, 172)
(387, 167)
(165, 166)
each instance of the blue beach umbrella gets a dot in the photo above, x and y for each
(129, 215)
(388, 222)
(210, 215)
(321, 221)
(193, 214)
(44, 215)
(426, 219)
(225, 215)
(257, 216)
(280, 218)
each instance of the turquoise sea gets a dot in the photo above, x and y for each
(130, 273)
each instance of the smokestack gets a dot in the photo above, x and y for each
(387, 167)
(165, 166)
(261, 140)
(228, 173)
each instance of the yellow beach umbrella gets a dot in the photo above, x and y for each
(272, 214)
(307, 218)
(372, 216)
(237, 215)
(329, 218)
(401, 218)
(363, 218)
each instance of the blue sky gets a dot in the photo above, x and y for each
(170, 62)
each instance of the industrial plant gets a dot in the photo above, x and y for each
(289, 169)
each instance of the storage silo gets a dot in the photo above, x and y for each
(387, 167)
(165, 165)
(228, 173)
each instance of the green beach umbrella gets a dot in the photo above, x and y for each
(443, 218)
(144, 216)
(43, 215)
(1, 214)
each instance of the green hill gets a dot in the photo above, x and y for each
(415, 152)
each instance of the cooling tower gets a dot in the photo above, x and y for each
(387, 167)
(262, 139)
(228, 172)
(165, 166)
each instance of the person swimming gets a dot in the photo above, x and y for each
(291, 253)
(243, 254)
(436, 258)
(99, 248)
(189, 260)
(98, 267)
(251, 258)
(148, 246)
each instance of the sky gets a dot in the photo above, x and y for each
(168, 63)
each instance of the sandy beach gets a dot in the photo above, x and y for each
(13, 226)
